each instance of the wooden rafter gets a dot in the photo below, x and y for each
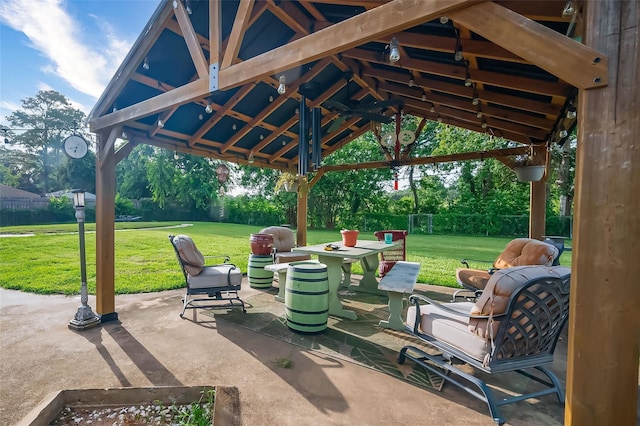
(215, 31)
(434, 159)
(237, 32)
(569, 60)
(512, 82)
(190, 37)
(388, 18)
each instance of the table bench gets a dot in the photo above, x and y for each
(399, 280)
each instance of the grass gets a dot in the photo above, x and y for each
(48, 262)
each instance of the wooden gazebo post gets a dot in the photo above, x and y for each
(105, 225)
(538, 197)
(303, 203)
(604, 323)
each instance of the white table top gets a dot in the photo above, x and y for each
(362, 249)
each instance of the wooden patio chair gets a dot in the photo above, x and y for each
(512, 327)
(219, 282)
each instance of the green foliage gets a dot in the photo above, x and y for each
(131, 173)
(47, 119)
(62, 209)
(124, 206)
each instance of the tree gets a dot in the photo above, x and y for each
(131, 173)
(38, 131)
(188, 179)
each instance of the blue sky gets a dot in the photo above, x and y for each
(73, 47)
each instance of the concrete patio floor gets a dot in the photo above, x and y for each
(151, 346)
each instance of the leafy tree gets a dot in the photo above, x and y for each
(340, 197)
(40, 127)
(131, 173)
(188, 179)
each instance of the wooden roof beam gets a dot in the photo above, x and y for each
(431, 85)
(237, 32)
(480, 48)
(215, 31)
(567, 59)
(190, 37)
(433, 159)
(277, 102)
(470, 116)
(466, 105)
(389, 18)
(220, 113)
(524, 84)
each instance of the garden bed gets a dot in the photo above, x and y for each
(137, 406)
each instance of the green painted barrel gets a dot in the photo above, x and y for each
(306, 297)
(258, 276)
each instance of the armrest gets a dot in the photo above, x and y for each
(465, 262)
(417, 298)
(226, 258)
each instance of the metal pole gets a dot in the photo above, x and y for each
(84, 318)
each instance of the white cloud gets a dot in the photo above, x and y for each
(54, 33)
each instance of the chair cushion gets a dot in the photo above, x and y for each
(216, 276)
(501, 286)
(190, 254)
(288, 256)
(450, 328)
(526, 251)
(283, 238)
(472, 278)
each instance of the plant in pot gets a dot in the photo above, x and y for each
(288, 181)
(525, 170)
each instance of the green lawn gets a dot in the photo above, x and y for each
(48, 262)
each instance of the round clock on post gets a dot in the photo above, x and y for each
(75, 147)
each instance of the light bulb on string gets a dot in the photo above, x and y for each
(394, 50)
(282, 86)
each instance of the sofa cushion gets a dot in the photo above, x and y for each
(495, 297)
(526, 251)
(450, 328)
(189, 254)
(216, 276)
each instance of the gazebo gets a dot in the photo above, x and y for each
(282, 84)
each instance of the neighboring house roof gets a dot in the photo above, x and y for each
(11, 192)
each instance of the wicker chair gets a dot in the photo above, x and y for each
(219, 282)
(512, 327)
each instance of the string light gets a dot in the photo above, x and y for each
(444, 20)
(282, 86)
(250, 159)
(145, 64)
(394, 50)
(208, 109)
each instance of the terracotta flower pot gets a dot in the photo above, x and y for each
(261, 244)
(349, 237)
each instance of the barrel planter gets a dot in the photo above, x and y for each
(258, 276)
(261, 244)
(307, 297)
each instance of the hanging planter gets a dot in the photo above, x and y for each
(288, 181)
(529, 173)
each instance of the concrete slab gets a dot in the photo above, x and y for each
(151, 346)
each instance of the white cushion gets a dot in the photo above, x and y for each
(450, 328)
(216, 276)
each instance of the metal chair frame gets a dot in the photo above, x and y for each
(228, 293)
(525, 339)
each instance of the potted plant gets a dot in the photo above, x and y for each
(289, 181)
(527, 172)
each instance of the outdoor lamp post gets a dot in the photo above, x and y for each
(84, 318)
